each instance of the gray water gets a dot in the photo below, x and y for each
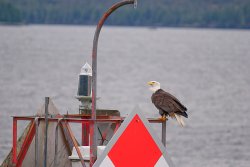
(208, 70)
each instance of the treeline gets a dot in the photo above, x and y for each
(9, 13)
(176, 13)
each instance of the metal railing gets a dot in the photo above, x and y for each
(63, 121)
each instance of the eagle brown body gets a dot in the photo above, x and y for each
(167, 104)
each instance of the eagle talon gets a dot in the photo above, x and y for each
(163, 118)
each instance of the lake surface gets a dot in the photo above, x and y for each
(207, 69)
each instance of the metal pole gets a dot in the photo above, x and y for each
(93, 127)
(14, 156)
(85, 134)
(46, 131)
(163, 133)
(36, 142)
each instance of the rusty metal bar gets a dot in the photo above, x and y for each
(85, 135)
(93, 128)
(74, 119)
(117, 125)
(91, 120)
(46, 131)
(26, 144)
(14, 140)
(56, 142)
(163, 132)
(155, 120)
(75, 144)
(71, 119)
(89, 116)
(24, 118)
(36, 143)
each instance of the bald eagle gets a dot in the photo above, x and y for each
(167, 104)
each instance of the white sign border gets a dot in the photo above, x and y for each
(122, 128)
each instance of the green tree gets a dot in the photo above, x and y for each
(9, 13)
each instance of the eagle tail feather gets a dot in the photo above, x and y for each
(179, 120)
(183, 113)
(182, 121)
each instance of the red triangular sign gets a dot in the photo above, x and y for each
(134, 145)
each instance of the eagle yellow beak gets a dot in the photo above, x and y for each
(150, 83)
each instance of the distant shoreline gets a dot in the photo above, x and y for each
(223, 14)
(111, 25)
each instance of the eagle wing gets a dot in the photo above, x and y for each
(167, 103)
(175, 100)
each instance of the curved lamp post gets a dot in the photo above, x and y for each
(93, 127)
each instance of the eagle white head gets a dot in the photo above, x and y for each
(154, 86)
